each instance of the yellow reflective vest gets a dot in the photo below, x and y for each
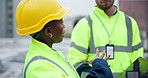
(138, 69)
(89, 34)
(43, 62)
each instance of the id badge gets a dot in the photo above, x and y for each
(110, 51)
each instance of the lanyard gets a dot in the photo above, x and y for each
(109, 35)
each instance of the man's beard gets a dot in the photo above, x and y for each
(105, 7)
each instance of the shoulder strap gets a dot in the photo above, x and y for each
(41, 58)
(92, 46)
(129, 29)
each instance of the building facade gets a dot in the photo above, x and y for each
(138, 10)
(7, 18)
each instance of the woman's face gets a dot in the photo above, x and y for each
(57, 30)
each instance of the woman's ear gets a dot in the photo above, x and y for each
(47, 30)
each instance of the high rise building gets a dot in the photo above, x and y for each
(7, 18)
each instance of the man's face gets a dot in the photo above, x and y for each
(104, 4)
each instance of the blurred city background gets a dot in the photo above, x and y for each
(13, 47)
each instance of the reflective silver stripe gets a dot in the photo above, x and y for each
(123, 48)
(42, 58)
(115, 75)
(129, 29)
(83, 50)
(92, 45)
(127, 48)
(117, 48)
(84, 74)
(136, 47)
(79, 64)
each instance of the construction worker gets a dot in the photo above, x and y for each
(42, 20)
(106, 28)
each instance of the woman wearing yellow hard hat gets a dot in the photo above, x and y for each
(42, 19)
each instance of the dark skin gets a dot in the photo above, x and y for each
(106, 5)
(99, 56)
(56, 28)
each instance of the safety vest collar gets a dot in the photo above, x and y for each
(101, 12)
(36, 42)
(41, 46)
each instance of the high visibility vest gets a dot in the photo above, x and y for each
(90, 34)
(138, 69)
(43, 62)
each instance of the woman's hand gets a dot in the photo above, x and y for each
(99, 56)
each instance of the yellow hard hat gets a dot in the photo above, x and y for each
(32, 15)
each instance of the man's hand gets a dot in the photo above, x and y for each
(99, 56)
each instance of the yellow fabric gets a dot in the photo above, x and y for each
(81, 37)
(43, 68)
(143, 63)
(32, 15)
